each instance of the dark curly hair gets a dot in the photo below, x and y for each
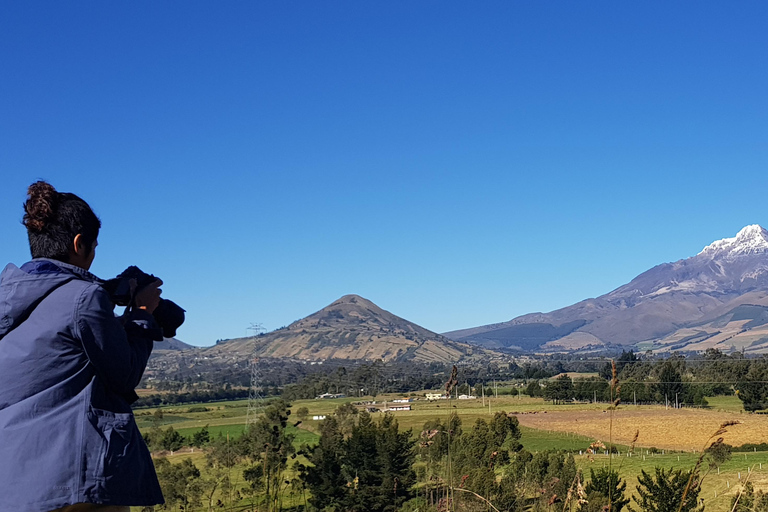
(53, 219)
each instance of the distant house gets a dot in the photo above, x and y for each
(467, 397)
(402, 400)
(328, 396)
(436, 396)
(400, 408)
(319, 417)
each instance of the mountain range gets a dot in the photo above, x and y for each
(715, 299)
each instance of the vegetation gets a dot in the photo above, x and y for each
(664, 491)
(467, 455)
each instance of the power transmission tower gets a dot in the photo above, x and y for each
(255, 398)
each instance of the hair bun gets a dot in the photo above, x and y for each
(40, 206)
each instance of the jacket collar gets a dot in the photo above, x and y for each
(51, 266)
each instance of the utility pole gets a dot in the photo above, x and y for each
(482, 389)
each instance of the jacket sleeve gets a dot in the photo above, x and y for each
(118, 353)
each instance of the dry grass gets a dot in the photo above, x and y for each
(672, 429)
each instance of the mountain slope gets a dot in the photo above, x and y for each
(652, 307)
(350, 328)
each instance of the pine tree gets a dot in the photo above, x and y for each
(324, 477)
(604, 484)
(664, 492)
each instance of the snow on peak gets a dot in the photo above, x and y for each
(751, 239)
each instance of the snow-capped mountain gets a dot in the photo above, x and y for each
(737, 264)
(655, 305)
(750, 240)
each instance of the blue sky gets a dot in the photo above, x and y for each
(457, 163)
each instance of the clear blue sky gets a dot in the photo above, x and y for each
(457, 163)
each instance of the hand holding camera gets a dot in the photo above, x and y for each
(137, 289)
(148, 298)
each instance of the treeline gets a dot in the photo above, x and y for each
(374, 378)
(675, 381)
(190, 397)
(644, 378)
(349, 376)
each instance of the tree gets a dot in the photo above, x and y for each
(717, 454)
(224, 452)
(752, 389)
(605, 487)
(664, 492)
(559, 390)
(302, 413)
(533, 389)
(670, 380)
(266, 443)
(180, 483)
(171, 440)
(324, 477)
(157, 417)
(371, 471)
(345, 415)
(201, 437)
(395, 450)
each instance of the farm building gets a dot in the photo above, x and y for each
(328, 396)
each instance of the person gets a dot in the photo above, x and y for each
(68, 370)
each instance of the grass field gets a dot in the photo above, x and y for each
(678, 432)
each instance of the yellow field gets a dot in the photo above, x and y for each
(671, 429)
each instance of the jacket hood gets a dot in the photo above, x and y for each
(22, 289)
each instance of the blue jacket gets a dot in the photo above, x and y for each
(68, 369)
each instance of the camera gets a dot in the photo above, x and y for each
(168, 314)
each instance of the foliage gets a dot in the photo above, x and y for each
(268, 447)
(752, 389)
(664, 491)
(196, 396)
(302, 413)
(559, 390)
(533, 389)
(369, 471)
(180, 483)
(605, 487)
(717, 454)
(171, 440)
(168, 439)
(201, 437)
(749, 500)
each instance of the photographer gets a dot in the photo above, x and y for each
(68, 369)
